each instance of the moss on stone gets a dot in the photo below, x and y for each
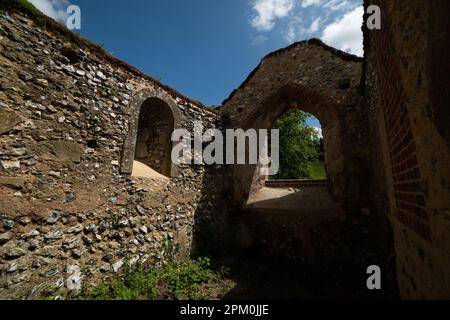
(22, 5)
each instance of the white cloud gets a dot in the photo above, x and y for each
(307, 3)
(338, 5)
(258, 40)
(296, 29)
(315, 25)
(55, 9)
(319, 132)
(290, 34)
(345, 33)
(302, 19)
(268, 11)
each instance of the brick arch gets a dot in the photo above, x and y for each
(316, 79)
(139, 100)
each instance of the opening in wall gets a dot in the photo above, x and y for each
(153, 141)
(302, 154)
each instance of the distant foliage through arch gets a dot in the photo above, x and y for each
(301, 147)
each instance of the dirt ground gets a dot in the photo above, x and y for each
(303, 248)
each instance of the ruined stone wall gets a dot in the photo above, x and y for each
(69, 213)
(319, 80)
(406, 90)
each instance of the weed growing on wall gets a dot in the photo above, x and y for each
(191, 279)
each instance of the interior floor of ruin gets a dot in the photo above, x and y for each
(334, 249)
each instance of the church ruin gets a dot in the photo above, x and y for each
(75, 122)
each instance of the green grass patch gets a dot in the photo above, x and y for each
(192, 279)
(23, 5)
(318, 170)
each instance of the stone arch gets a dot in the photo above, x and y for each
(160, 111)
(297, 97)
(305, 99)
(316, 79)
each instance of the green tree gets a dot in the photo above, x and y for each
(299, 145)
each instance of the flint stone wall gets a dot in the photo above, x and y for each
(69, 214)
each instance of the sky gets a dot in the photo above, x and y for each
(206, 48)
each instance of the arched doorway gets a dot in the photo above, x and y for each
(248, 179)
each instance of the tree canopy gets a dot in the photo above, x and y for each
(299, 145)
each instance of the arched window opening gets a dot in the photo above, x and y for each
(153, 141)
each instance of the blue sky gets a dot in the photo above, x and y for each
(206, 48)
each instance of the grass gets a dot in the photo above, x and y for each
(318, 170)
(19, 4)
(188, 280)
